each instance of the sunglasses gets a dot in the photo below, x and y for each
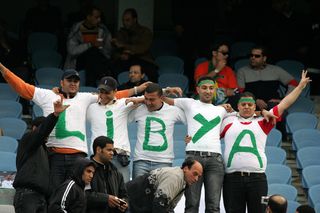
(224, 53)
(255, 56)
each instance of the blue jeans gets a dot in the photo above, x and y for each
(124, 170)
(141, 167)
(28, 200)
(61, 166)
(241, 190)
(212, 178)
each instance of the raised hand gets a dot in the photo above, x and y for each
(304, 79)
(59, 107)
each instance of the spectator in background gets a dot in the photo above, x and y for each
(136, 78)
(132, 42)
(32, 178)
(89, 47)
(107, 185)
(277, 204)
(263, 80)
(217, 69)
(70, 196)
(80, 14)
(305, 209)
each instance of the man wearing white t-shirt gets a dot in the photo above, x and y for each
(245, 137)
(67, 141)
(204, 121)
(109, 117)
(155, 120)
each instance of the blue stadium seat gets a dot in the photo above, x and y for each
(292, 66)
(42, 41)
(199, 61)
(308, 156)
(180, 131)
(278, 173)
(301, 120)
(36, 111)
(286, 190)
(170, 64)
(275, 155)
(132, 130)
(8, 144)
(314, 195)
(241, 63)
(305, 138)
(317, 207)
(302, 104)
(177, 162)
(123, 77)
(7, 161)
(274, 138)
(310, 176)
(13, 127)
(10, 108)
(7, 93)
(174, 80)
(82, 74)
(179, 148)
(49, 76)
(46, 58)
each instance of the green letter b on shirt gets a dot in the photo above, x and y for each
(161, 132)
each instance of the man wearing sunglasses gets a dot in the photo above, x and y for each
(263, 80)
(217, 68)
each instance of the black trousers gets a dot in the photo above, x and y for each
(244, 190)
(28, 200)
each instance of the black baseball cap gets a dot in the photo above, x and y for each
(108, 84)
(70, 73)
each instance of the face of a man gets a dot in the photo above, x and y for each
(70, 85)
(246, 107)
(206, 91)
(135, 74)
(95, 18)
(222, 53)
(152, 101)
(257, 59)
(105, 97)
(105, 154)
(88, 174)
(128, 20)
(193, 174)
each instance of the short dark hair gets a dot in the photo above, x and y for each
(305, 209)
(89, 10)
(247, 94)
(153, 87)
(137, 63)
(132, 12)
(277, 204)
(216, 45)
(101, 142)
(205, 78)
(264, 49)
(188, 162)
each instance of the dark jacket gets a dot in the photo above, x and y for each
(32, 158)
(69, 196)
(107, 180)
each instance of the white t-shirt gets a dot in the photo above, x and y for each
(245, 141)
(204, 122)
(155, 132)
(111, 120)
(70, 130)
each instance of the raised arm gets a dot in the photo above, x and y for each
(24, 89)
(288, 100)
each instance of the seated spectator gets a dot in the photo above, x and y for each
(217, 69)
(89, 47)
(107, 189)
(136, 75)
(80, 14)
(305, 209)
(161, 189)
(70, 196)
(263, 80)
(132, 42)
(277, 204)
